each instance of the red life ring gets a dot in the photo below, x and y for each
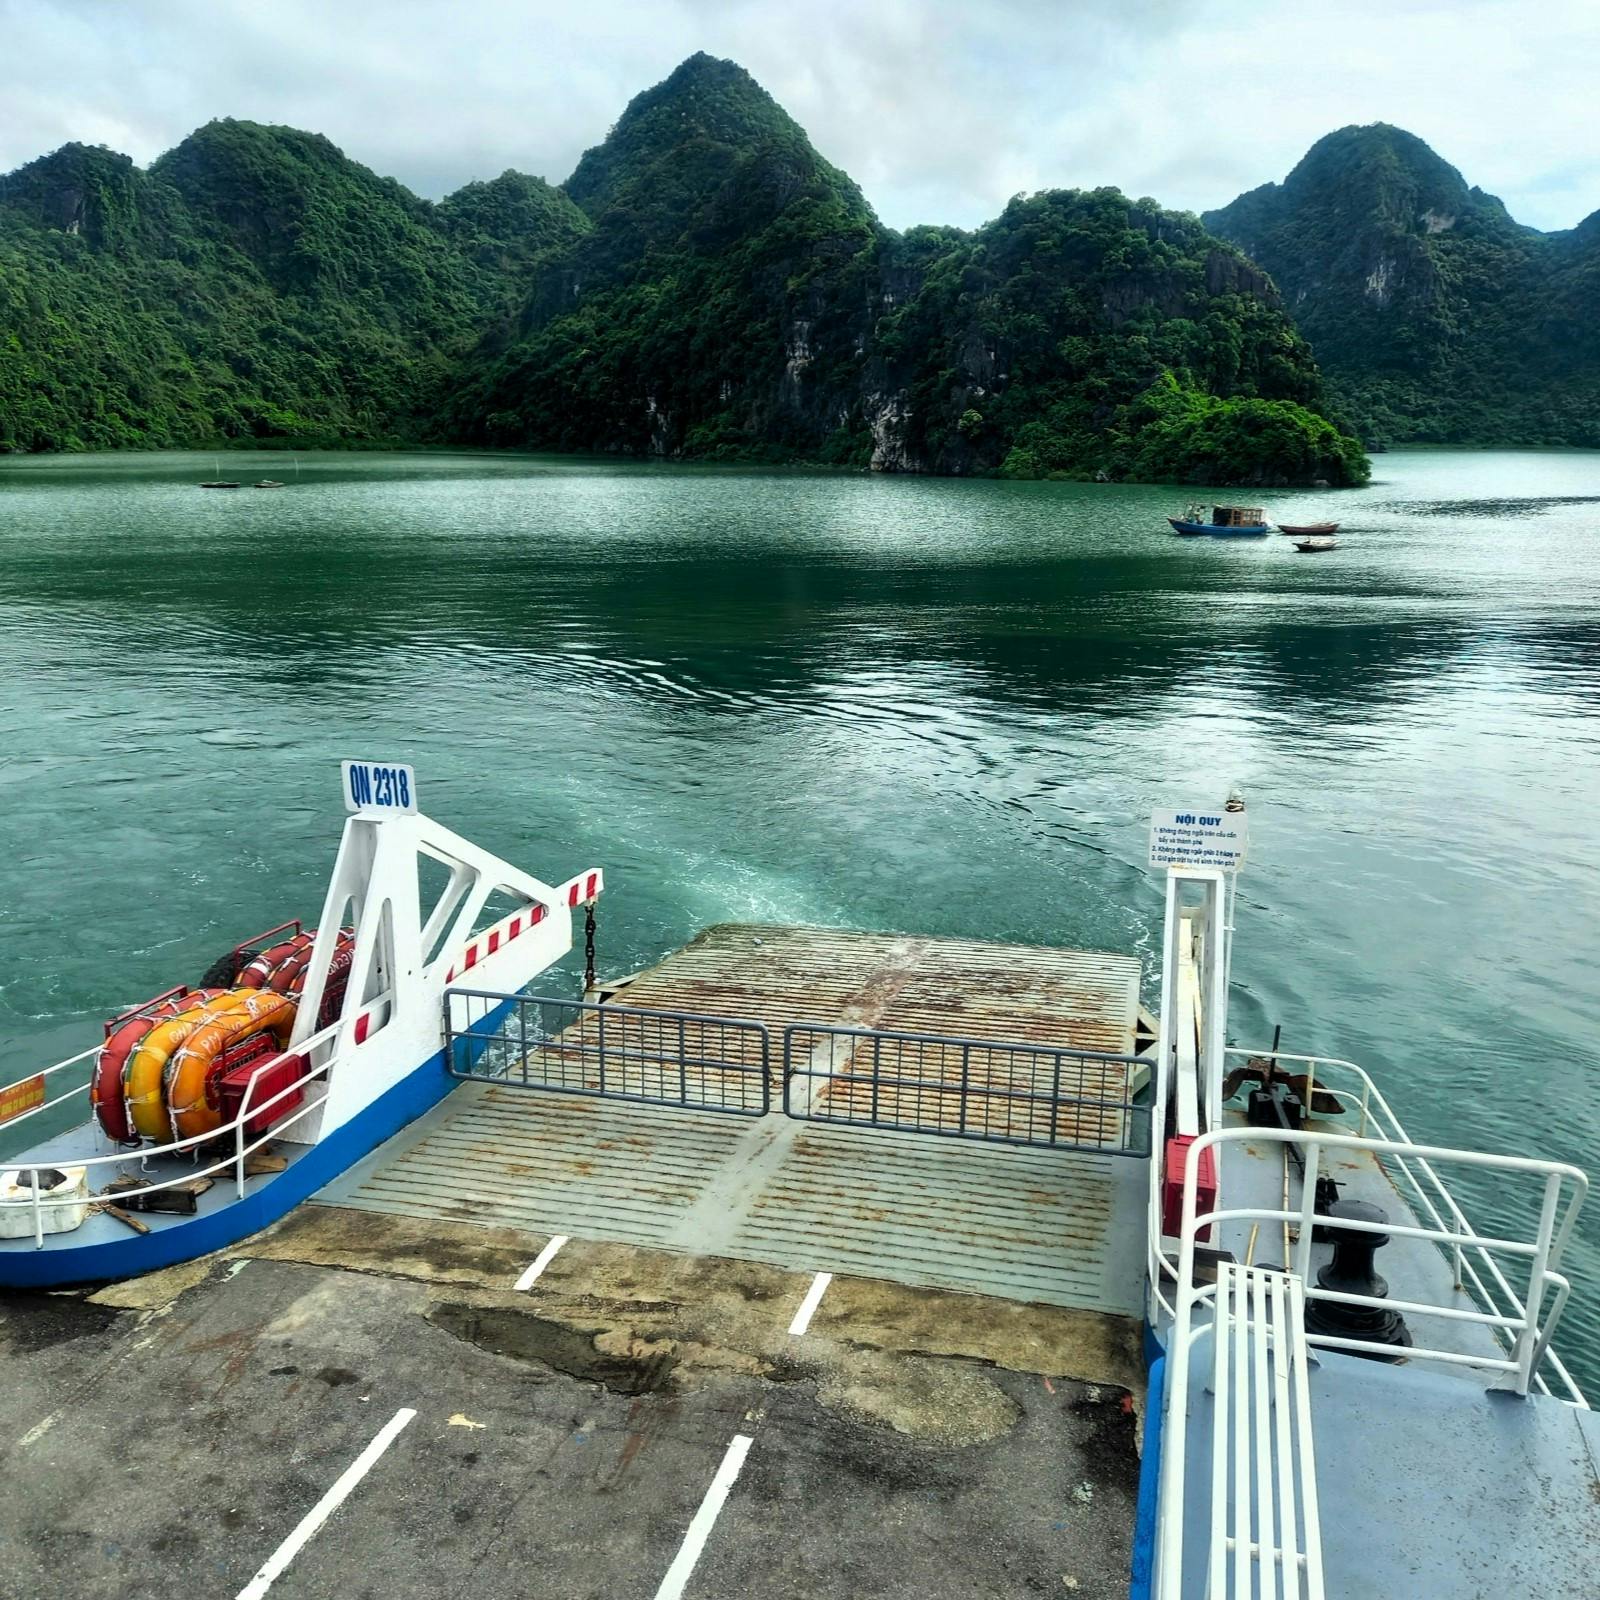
(105, 1084)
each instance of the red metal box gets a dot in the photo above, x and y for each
(1205, 1189)
(284, 1073)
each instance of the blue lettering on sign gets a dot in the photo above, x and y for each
(1210, 822)
(374, 786)
(1183, 819)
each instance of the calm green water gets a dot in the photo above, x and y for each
(935, 706)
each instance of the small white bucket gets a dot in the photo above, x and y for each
(16, 1202)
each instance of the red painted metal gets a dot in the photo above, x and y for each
(1173, 1173)
(285, 1073)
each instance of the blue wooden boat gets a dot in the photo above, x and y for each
(1244, 522)
(1221, 530)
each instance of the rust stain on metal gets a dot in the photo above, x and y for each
(784, 975)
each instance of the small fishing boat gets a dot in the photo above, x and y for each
(268, 483)
(221, 483)
(1308, 529)
(1321, 541)
(1224, 522)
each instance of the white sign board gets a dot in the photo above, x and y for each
(1198, 836)
(384, 786)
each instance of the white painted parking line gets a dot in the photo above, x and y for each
(694, 1541)
(325, 1507)
(808, 1306)
(545, 1257)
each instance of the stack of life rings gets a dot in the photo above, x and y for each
(158, 1074)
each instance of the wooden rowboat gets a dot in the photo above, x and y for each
(1308, 530)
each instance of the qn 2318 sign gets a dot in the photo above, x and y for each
(386, 786)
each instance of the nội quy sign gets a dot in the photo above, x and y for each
(1198, 836)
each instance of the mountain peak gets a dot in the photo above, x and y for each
(509, 219)
(1384, 169)
(690, 130)
(705, 157)
(79, 189)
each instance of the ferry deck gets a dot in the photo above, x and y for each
(959, 1414)
(812, 1263)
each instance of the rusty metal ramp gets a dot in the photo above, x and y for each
(1052, 1227)
(779, 974)
(902, 1153)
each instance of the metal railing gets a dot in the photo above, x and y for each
(1020, 1094)
(1416, 1180)
(609, 1051)
(233, 1161)
(1563, 1190)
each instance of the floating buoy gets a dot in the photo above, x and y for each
(106, 1082)
(142, 1077)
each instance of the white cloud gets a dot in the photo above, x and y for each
(939, 110)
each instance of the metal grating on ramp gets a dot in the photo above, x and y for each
(1024, 994)
(1053, 1227)
(1026, 1225)
(550, 1164)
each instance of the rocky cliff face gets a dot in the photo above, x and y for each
(705, 285)
(1432, 313)
(735, 295)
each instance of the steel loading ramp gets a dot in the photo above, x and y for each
(1049, 1225)
(1052, 1227)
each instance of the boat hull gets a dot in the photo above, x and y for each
(63, 1263)
(1308, 530)
(1217, 530)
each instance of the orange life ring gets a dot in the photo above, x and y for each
(146, 1064)
(188, 1077)
(105, 1085)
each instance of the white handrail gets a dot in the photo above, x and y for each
(1532, 1342)
(195, 1142)
(46, 1072)
(1377, 1110)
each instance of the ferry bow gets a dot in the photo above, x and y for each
(298, 1086)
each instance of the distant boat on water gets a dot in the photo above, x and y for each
(1317, 541)
(268, 483)
(1224, 522)
(219, 482)
(1308, 530)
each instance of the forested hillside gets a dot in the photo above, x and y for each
(736, 298)
(705, 285)
(1433, 315)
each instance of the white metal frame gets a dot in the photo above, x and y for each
(1191, 1035)
(1565, 1188)
(1262, 1457)
(392, 1018)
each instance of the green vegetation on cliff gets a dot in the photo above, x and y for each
(704, 285)
(736, 298)
(1433, 315)
(252, 285)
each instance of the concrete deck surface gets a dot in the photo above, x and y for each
(163, 1437)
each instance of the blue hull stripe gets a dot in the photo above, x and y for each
(1141, 1584)
(398, 1105)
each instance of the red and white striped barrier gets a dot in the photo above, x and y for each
(574, 892)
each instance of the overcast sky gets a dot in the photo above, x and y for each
(939, 110)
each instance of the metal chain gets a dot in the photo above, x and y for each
(588, 948)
